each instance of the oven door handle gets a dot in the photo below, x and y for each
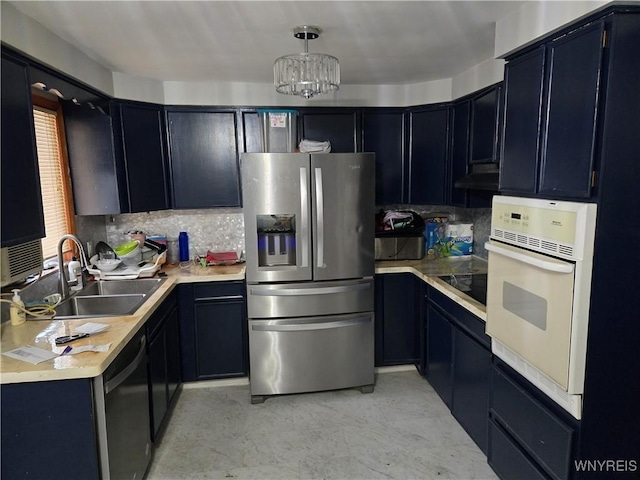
(533, 261)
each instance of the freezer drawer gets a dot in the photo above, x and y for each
(309, 299)
(311, 354)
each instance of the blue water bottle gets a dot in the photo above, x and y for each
(183, 242)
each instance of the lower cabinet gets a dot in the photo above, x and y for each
(528, 436)
(439, 354)
(163, 351)
(458, 363)
(213, 330)
(397, 319)
(44, 422)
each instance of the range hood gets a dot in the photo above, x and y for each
(482, 176)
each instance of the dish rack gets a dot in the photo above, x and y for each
(128, 272)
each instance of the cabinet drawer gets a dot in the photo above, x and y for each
(507, 459)
(543, 434)
(160, 314)
(473, 325)
(219, 291)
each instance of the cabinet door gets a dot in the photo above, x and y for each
(251, 142)
(172, 346)
(157, 382)
(459, 151)
(523, 80)
(484, 127)
(144, 157)
(98, 187)
(575, 63)
(439, 354)
(383, 132)
(428, 161)
(221, 339)
(22, 217)
(400, 324)
(471, 386)
(339, 127)
(204, 159)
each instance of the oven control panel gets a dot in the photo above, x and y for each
(547, 226)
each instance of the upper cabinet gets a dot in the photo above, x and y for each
(429, 128)
(140, 146)
(552, 97)
(484, 125)
(459, 153)
(22, 217)
(98, 188)
(204, 158)
(338, 126)
(384, 133)
(117, 157)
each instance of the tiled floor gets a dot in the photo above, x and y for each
(400, 431)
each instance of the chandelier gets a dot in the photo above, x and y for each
(306, 74)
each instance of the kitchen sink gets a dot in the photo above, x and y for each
(99, 306)
(106, 298)
(144, 286)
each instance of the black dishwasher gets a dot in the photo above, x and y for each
(122, 411)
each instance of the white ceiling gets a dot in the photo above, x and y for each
(377, 42)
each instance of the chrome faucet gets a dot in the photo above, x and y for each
(64, 283)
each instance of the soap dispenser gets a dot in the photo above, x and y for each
(18, 316)
(75, 273)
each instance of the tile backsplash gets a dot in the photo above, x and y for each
(223, 229)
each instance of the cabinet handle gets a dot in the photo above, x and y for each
(224, 297)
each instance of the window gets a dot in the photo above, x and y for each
(55, 182)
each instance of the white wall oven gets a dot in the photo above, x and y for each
(538, 290)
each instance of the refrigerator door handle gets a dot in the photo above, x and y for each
(304, 217)
(297, 327)
(320, 218)
(290, 292)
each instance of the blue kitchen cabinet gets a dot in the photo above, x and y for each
(397, 320)
(428, 140)
(213, 330)
(49, 430)
(340, 126)
(553, 102)
(140, 146)
(529, 435)
(22, 214)
(384, 133)
(163, 352)
(439, 353)
(250, 139)
(458, 363)
(484, 121)
(460, 129)
(523, 83)
(204, 157)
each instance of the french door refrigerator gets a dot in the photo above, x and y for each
(309, 235)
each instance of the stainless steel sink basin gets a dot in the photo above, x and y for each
(106, 298)
(99, 306)
(121, 287)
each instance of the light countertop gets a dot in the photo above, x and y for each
(42, 333)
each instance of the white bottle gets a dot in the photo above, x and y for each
(18, 317)
(75, 273)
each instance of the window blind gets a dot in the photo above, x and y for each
(50, 162)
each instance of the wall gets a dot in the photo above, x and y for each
(223, 229)
(535, 19)
(32, 38)
(220, 229)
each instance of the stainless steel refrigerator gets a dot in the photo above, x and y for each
(309, 235)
